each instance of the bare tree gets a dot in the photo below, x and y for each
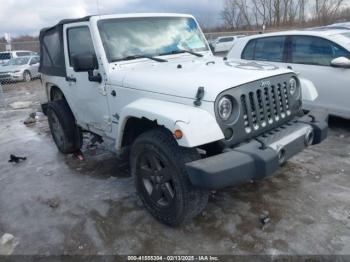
(326, 10)
(245, 12)
(262, 11)
(277, 13)
(302, 6)
(230, 14)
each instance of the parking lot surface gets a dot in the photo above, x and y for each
(55, 204)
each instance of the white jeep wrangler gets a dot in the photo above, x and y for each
(148, 85)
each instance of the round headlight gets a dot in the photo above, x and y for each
(293, 86)
(225, 108)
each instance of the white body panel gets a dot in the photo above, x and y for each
(88, 99)
(332, 83)
(210, 72)
(198, 126)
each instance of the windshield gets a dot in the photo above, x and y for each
(5, 56)
(18, 61)
(150, 36)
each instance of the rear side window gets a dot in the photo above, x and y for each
(265, 49)
(315, 51)
(5, 56)
(52, 61)
(52, 53)
(79, 42)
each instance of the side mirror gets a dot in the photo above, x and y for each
(341, 62)
(84, 62)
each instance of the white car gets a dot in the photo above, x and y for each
(23, 68)
(224, 43)
(189, 122)
(7, 55)
(320, 55)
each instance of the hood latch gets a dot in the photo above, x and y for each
(199, 96)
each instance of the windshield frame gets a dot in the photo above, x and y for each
(111, 60)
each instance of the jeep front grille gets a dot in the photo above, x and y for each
(265, 106)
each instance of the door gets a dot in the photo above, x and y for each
(311, 57)
(34, 66)
(87, 99)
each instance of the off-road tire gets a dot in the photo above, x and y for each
(65, 132)
(188, 201)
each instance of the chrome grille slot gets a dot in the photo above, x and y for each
(265, 106)
(245, 111)
(286, 96)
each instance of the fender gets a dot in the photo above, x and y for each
(198, 126)
(308, 90)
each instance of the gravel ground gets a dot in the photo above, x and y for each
(56, 204)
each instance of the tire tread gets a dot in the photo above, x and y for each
(195, 199)
(73, 134)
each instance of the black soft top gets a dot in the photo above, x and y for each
(52, 60)
(66, 21)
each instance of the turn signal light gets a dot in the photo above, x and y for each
(178, 134)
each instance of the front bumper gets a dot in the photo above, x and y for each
(261, 157)
(11, 77)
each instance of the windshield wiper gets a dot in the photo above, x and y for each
(132, 57)
(180, 51)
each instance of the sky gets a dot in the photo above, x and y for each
(19, 17)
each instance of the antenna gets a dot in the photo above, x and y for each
(98, 7)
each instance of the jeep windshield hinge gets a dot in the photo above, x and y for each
(199, 96)
(102, 90)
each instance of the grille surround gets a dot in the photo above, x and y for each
(263, 105)
(4, 75)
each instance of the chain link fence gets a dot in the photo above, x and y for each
(23, 45)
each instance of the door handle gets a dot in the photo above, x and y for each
(290, 67)
(71, 79)
(113, 93)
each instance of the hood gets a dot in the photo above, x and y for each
(182, 78)
(11, 68)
